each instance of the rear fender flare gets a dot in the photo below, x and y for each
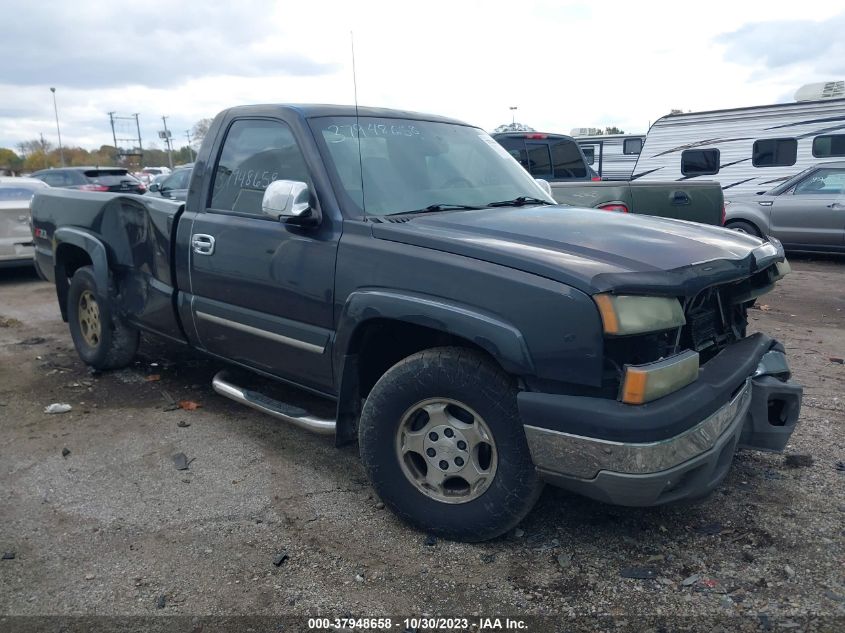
(96, 250)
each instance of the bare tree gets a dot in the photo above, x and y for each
(515, 126)
(34, 145)
(199, 130)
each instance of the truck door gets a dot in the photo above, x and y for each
(813, 213)
(262, 290)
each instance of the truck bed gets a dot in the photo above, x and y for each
(138, 233)
(695, 201)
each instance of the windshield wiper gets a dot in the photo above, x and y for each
(519, 202)
(434, 208)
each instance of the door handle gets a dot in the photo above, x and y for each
(202, 244)
(835, 205)
(680, 197)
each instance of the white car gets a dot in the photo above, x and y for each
(156, 171)
(16, 247)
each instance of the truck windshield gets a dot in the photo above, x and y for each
(407, 164)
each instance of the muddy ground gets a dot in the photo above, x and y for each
(113, 528)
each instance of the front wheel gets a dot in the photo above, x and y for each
(740, 226)
(443, 445)
(101, 338)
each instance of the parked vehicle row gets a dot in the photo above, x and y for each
(476, 338)
(560, 160)
(148, 174)
(114, 179)
(16, 247)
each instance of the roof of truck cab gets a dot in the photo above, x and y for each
(526, 134)
(313, 110)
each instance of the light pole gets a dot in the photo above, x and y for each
(190, 149)
(58, 131)
(167, 142)
(513, 115)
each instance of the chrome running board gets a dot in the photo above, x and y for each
(289, 413)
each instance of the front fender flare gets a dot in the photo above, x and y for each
(500, 339)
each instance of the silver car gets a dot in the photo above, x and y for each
(15, 230)
(806, 213)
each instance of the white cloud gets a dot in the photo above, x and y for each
(563, 65)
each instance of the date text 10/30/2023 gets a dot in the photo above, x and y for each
(415, 623)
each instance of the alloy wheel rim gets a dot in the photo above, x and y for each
(89, 318)
(446, 450)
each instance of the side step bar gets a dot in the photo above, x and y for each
(288, 413)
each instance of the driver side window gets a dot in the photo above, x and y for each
(825, 182)
(255, 153)
(179, 180)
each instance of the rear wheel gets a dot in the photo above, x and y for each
(443, 445)
(101, 338)
(741, 226)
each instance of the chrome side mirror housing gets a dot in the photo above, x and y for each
(155, 186)
(289, 201)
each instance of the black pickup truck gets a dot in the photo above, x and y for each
(475, 338)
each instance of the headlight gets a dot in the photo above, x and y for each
(631, 314)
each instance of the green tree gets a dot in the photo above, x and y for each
(155, 157)
(10, 161)
(36, 154)
(183, 155)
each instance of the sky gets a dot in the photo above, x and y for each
(561, 64)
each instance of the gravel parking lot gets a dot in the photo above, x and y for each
(97, 519)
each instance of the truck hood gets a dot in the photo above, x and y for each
(592, 250)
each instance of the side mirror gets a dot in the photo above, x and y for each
(288, 200)
(544, 185)
(154, 187)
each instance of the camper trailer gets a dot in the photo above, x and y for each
(748, 149)
(612, 156)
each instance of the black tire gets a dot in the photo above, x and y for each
(117, 342)
(743, 227)
(472, 379)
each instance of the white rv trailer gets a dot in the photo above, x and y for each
(745, 149)
(612, 156)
